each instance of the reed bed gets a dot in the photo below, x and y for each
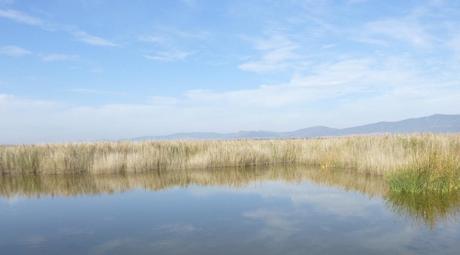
(412, 163)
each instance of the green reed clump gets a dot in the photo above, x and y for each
(436, 172)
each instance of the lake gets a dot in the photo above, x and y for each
(272, 210)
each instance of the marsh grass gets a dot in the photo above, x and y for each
(434, 172)
(412, 163)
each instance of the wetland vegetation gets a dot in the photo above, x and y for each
(417, 163)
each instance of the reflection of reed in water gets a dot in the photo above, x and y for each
(423, 208)
(427, 208)
(71, 185)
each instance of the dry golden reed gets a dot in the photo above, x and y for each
(379, 154)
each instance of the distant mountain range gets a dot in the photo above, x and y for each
(438, 123)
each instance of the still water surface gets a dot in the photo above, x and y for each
(226, 211)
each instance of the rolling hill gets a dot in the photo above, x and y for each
(438, 123)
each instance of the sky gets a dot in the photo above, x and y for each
(86, 70)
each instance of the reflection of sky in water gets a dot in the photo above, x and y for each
(264, 218)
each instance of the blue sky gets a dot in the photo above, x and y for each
(87, 70)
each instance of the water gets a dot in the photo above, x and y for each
(227, 211)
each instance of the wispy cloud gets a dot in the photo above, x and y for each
(169, 55)
(13, 51)
(92, 39)
(80, 35)
(172, 44)
(21, 17)
(276, 53)
(411, 28)
(409, 31)
(16, 51)
(348, 77)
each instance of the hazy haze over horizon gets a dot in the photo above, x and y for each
(87, 70)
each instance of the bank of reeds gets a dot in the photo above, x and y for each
(412, 163)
